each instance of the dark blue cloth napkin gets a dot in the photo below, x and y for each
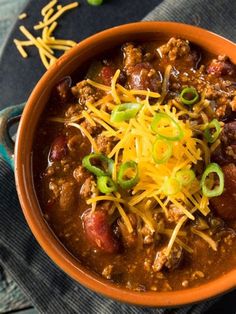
(50, 289)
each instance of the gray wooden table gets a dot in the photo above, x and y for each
(12, 299)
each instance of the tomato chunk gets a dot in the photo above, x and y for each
(106, 74)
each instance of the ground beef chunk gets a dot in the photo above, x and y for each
(105, 144)
(149, 236)
(221, 66)
(74, 143)
(226, 151)
(128, 239)
(86, 182)
(224, 205)
(174, 213)
(175, 49)
(63, 191)
(67, 195)
(92, 129)
(233, 104)
(143, 76)
(73, 110)
(132, 55)
(171, 261)
(99, 232)
(140, 75)
(88, 188)
(85, 92)
(81, 174)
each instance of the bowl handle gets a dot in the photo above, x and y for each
(8, 117)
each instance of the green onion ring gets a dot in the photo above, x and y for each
(185, 176)
(95, 2)
(171, 186)
(212, 168)
(128, 183)
(157, 122)
(212, 137)
(106, 185)
(109, 164)
(162, 150)
(125, 112)
(194, 96)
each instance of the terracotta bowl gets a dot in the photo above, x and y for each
(72, 60)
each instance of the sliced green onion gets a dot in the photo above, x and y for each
(213, 125)
(171, 186)
(189, 96)
(125, 179)
(162, 150)
(98, 164)
(95, 2)
(125, 112)
(185, 176)
(217, 190)
(106, 185)
(166, 127)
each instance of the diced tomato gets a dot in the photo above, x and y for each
(106, 74)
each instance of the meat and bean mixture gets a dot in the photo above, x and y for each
(135, 165)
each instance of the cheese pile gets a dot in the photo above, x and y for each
(46, 43)
(136, 140)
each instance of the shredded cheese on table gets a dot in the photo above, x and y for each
(46, 43)
(22, 16)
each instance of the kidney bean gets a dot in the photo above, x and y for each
(142, 76)
(58, 148)
(61, 94)
(224, 205)
(67, 196)
(99, 232)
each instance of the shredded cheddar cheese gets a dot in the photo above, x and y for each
(46, 43)
(205, 237)
(135, 140)
(56, 15)
(22, 16)
(135, 143)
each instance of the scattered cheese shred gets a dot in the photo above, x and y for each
(125, 217)
(57, 15)
(205, 237)
(175, 233)
(86, 133)
(48, 7)
(22, 16)
(113, 87)
(99, 86)
(20, 48)
(46, 43)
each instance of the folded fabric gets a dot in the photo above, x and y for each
(217, 16)
(48, 287)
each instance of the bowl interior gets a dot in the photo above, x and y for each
(66, 65)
